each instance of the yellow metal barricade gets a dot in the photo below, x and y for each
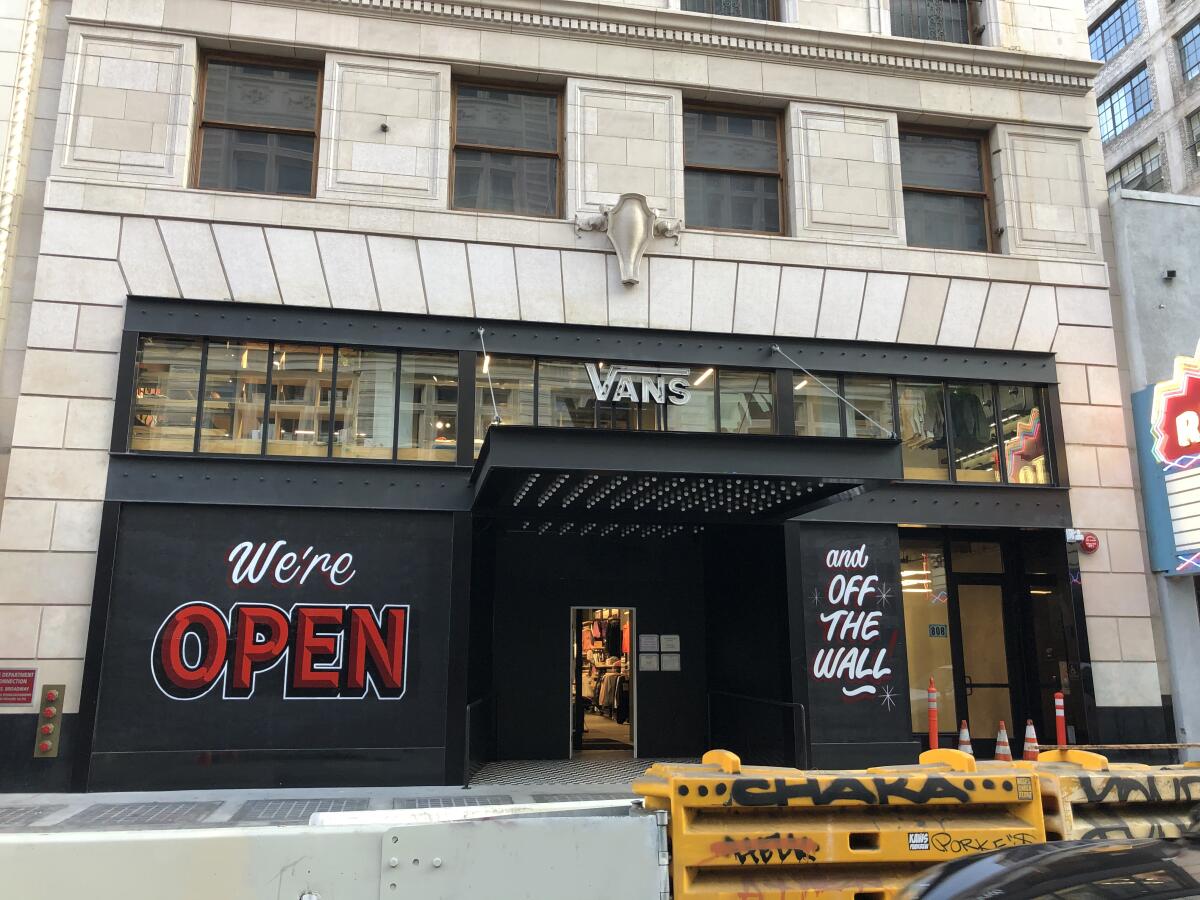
(741, 833)
(1085, 797)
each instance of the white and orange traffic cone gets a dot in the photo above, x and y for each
(1030, 750)
(1003, 752)
(964, 738)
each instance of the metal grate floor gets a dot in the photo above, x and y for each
(141, 815)
(461, 800)
(574, 798)
(20, 816)
(288, 811)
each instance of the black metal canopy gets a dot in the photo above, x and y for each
(590, 477)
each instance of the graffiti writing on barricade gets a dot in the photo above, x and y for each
(880, 791)
(1139, 789)
(761, 851)
(944, 842)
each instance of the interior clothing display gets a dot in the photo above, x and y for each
(972, 424)
(612, 636)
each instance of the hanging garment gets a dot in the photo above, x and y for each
(621, 704)
(625, 638)
(612, 636)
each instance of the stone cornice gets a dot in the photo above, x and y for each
(743, 37)
(777, 42)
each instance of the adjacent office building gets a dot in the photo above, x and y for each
(409, 386)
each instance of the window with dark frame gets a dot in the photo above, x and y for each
(507, 153)
(1189, 51)
(1116, 29)
(253, 397)
(1125, 104)
(733, 174)
(258, 127)
(947, 204)
(934, 20)
(1191, 134)
(767, 10)
(1141, 172)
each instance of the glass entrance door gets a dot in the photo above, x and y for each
(985, 658)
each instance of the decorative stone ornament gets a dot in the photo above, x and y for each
(630, 224)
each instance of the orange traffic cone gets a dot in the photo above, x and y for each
(964, 738)
(1030, 750)
(1003, 753)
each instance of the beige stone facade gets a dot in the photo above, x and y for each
(122, 219)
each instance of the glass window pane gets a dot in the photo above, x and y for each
(873, 397)
(232, 160)
(700, 412)
(1125, 104)
(931, 20)
(365, 400)
(166, 392)
(298, 416)
(252, 94)
(976, 557)
(939, 161)
(731, 200)
(1114, 31)
(815, 407)
(743, 9)
(505, 182)
(730, 140)
(923, 431)
(927, 631)
(1025, 455)
(565, 395)
(973, 426)
(508, 382)
(428, 423)
(1189, 48)
(235, 395)
(945, 221)
(498, 117)
(747, 402)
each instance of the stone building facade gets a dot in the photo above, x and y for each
(380, 232)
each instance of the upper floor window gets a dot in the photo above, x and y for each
(258, 127)
(1141, 172)
(732, 170)
(933, 20)
(1125, 104)
(507, 150)
(1189, 51)
(742, 9)
(1191, 134)
(946, 202)
(1118, 27)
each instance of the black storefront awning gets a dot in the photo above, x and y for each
(581, 475)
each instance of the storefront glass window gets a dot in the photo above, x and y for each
(364, 423)
(973, 421)
(298, 416)
(1025, 458)
(923, 431)
(872, 396)
(508, 382)
(428, 425)
(700, 412)
(983, 557)
(927, 629)
(166, 394)
(747, 402)
(815, 406)
(565, 395)
(235, 394)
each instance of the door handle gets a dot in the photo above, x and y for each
(970, 685)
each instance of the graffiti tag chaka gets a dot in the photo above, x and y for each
(825, 791)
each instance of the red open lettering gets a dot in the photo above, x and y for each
(261, 637)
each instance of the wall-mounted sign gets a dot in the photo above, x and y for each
(648, 662)
(939, 630)
(670, 643)
(641, 384)
(1168, 439)
(670, 662)
(648, 643)
(274, 629)
(1090, 543)
(16, 686)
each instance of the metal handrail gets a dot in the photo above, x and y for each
(799, 724)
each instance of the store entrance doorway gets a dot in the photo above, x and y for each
(602, 683)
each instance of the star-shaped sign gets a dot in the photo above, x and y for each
(1175, 415)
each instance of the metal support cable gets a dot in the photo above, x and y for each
(777, 349)
(487, 370)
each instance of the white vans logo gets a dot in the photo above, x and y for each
(641, 384)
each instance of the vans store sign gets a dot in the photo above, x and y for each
(641, 384)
